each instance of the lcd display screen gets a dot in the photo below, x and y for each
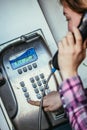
(23, 58)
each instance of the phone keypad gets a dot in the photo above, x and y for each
(38, 83)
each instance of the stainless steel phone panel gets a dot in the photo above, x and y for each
(27, 77)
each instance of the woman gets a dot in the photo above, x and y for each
(71, 91)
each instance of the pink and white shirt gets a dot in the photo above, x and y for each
(74, 99)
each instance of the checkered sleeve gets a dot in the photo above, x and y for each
(74, 99)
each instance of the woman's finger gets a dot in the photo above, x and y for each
(35, 103)
(77, 35)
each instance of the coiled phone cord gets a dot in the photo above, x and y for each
(43, 94)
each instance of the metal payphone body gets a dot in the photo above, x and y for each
(26, 67)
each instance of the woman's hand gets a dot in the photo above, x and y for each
(71, 53)
(51, 102)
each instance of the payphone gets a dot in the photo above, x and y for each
(26, 65)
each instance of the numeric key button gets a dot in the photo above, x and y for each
(32, 80)
(24, 89)
(39, 83)
(29, 67)
(19, 71)
(42, 76)
(22, 83)
(44, 81)
(37, 78)
(36, 90)
(34, 65)
(25, 69)
(26, 94)
(38, 96)
(34, 85)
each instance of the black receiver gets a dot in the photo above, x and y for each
(83, 30)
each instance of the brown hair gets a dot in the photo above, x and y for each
(79, 6)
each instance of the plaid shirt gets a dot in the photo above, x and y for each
(74, 99)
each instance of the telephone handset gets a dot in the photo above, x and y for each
(83, 30)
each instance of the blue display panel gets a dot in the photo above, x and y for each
(24, 58)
